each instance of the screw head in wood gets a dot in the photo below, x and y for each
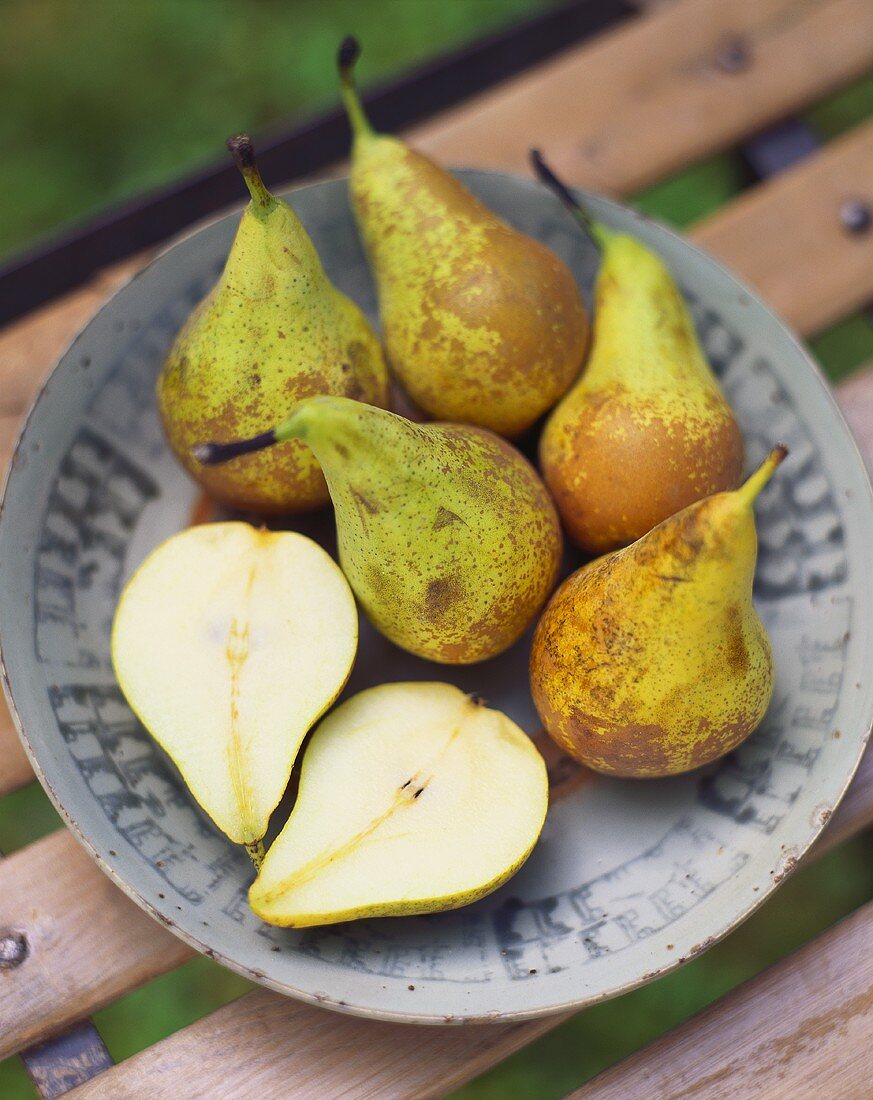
(734, 56)
(855, 216)
(13, 949)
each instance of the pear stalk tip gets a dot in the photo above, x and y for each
(242, 149)
(348, 53)
(598, 233)
(216, 454)
(756, 481)
(347, 56)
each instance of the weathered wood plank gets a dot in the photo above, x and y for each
(786, 238)
(801, 1029)
(267, 1046)
(87, 944)
(661, 92)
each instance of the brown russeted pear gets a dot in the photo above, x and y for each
(646, 430)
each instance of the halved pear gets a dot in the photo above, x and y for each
(229, 643)
(413, 798)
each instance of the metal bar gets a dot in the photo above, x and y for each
(70, 258)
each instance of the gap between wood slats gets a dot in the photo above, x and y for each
(657, 94)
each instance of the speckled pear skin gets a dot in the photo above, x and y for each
(652, 661)
(272, 331)
(482, 324)
(646, 430)
(446, 534)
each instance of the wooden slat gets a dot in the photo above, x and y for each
(87, 943)
(785, 237)
(661, 92)
(267, 1046)
(800, 1030)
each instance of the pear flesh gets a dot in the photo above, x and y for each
(273, 330)
(482, 324)
(413, 799)
(646, 430)
(229, 643)
(446, 533)
(652, 661)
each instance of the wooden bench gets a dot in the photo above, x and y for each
(673, 84)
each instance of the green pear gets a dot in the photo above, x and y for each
(273, 330)
(413, 799)
(652, 660)
(646, 430)
(229, 643)
(446, 533)
(482, 324)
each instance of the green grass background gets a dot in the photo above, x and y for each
(111, 97)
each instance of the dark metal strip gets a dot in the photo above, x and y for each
(70, 258)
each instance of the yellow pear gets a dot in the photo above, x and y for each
(273, 330)
(646, 430)
(482, 324)
(652, 660)
(229, 643)
(446, 533)
(413, 798)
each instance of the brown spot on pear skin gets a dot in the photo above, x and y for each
(440, 595)
(445, 518)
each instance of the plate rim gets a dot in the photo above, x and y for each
(324, 1000)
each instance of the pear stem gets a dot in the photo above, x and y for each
(242, 150)
(349, 52)
(749, 490)
(216, 454)
(598, 233)
(255, 851)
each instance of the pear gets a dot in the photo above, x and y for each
(273, 330)
(482, 324)
(229, 643)
(646, 430)
(652, 661)
(446, 533)
(413, 798)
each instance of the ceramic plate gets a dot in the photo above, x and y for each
(630, 878)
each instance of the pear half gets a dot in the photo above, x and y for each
(228, 643)
(413, 798)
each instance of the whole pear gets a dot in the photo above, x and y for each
(482, 324)
(652, 661)
(272, 331)
(646, 430)
(446, 534)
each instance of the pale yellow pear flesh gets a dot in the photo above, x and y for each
(652, 660)
(646, 430)
(229, 643)
(272, 331)
(413, 798)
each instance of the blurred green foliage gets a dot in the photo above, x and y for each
(114, 96)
